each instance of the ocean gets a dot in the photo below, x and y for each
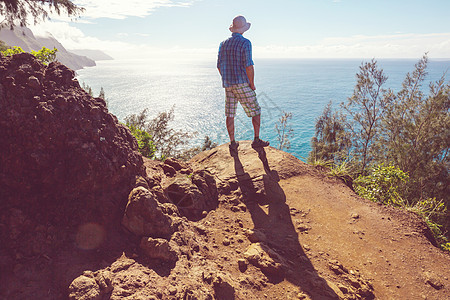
(299, 86)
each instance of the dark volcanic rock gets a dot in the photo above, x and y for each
(66, 168)
(59, 144)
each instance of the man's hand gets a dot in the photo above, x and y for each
(251, 76)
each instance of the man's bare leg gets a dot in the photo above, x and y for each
(256, 121)
(230, 128)
(257, 142)
(233, 145)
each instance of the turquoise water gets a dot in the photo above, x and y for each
(302, 87)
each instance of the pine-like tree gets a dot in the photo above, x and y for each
(331, 143)
(17, 12)
(365, 109)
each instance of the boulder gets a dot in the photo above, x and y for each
(264, 258)
(223, 286)
(158, 249)
(192, 193)
(91, 286)
(84, 288)
(255, 235)
(145, 216)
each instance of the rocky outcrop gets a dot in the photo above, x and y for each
(66, 164)
(70, 174)
(59, 143)
(254, 226)
(264, 258)
(193, 193)
(66, 168)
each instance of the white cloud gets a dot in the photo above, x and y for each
(62, 31)
(119, 9)
(361, 46)
(73, 38)
(381, 46)
(142, 34)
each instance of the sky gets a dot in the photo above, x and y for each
(280, 29)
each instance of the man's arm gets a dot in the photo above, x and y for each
(251, 76)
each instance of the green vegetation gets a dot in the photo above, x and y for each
(396, 145)
(364, 112)
(145, 142)
(382, 185)
(45, 55)
(155, 137)
(89, 90)
(11, 51)
(20, 11)
(167, 141)
(431, 210)
(331, 143)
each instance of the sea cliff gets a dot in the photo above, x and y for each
(84, 216)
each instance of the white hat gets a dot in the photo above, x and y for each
(239, 25)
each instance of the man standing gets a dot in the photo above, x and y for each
(235, 65)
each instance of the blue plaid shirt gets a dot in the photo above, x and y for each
(235, 54)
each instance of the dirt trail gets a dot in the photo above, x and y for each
(323, 230)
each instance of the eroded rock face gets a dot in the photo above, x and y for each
(57, 141)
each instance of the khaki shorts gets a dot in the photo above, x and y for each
(246, 96)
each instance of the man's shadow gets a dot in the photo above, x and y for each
(277, 226)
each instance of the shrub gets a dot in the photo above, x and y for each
(331, 142)
(434, 212)
(382, 185)
(168, 141)
(12, 51)
(145, 142)
(45, 55)
(284, 131)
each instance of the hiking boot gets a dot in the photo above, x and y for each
(258, 143)
(233, 148)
